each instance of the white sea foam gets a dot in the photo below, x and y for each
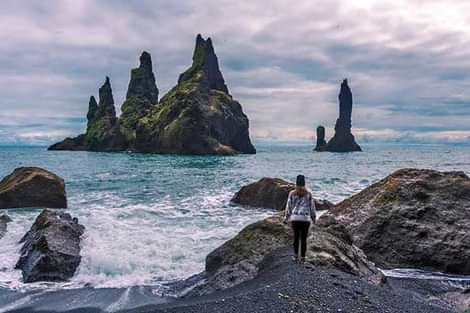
(129, 244)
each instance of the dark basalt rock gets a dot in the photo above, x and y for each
(142, 82)
(92, 107)
(106, 106)
(4, 220)
(51, 248)
(142, 94)
(32, 187)
(205, 60)
(198, 116)
(412, 218)
(271, 193)
(240, 258)
(103, 132)
(343, 140)
(321, 142)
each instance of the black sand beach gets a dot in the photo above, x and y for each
(281, 286)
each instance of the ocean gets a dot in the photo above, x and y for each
(152, 219)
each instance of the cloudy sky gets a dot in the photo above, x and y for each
(408, 62)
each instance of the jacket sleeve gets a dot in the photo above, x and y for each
(313, 209)
(288, 210)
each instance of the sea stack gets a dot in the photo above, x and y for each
(102, 133)
(197, 116)
(321, 142)
(142, 95)
(343, 140)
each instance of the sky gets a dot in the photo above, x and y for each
(407, 62)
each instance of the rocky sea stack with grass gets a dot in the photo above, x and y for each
(197, 116)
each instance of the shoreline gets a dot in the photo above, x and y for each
(281, 286)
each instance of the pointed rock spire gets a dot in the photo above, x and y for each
(343, 140)
(205, 60)
(321, 143)
(92, 107)
(345, 108)
(142, 83)
(106, 104)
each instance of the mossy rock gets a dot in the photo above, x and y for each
(32, 187)
(416, 218)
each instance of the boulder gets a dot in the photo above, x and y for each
(415, 218)
(32, 187)
(4, 220)
(51, 248)
(343, 140)
(240, 258)
(271, 193)
(198, 116)
(267, 192)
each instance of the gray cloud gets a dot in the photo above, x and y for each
(407, 62)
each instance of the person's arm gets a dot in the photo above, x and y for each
(288, 210)
(313, 209)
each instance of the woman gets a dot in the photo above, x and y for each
(300, 210)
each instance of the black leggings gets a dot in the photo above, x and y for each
(300, 233)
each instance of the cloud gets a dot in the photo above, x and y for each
(407, 62)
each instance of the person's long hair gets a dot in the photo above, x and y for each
(301, 190)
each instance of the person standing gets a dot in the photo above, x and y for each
(301, 212)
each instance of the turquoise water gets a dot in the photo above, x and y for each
(153, 218)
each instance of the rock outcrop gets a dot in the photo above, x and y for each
(343, 140)
(142, 95)
(271, 193)
(205, 61)
(4, 220)
(321, 142)
(412, 218)
(103, 132)
(197, 116)
(240, 258)
(51, 248)
(92, 107)
(32, 187)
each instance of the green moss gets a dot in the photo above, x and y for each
(133, 109)
(390, 192)
(100, 129)
(96, 128)
(194, 73)
(41, 220)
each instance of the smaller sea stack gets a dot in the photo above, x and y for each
(321, 142)
(343, 140)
